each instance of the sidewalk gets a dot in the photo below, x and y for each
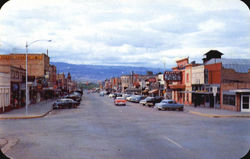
(215, 113)
(37, 110)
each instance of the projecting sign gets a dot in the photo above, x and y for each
(172, 76)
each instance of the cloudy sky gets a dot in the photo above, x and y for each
(126, 32)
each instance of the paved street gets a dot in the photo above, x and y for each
(99, 130)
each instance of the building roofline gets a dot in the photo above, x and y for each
(186, 58)
(11, 66)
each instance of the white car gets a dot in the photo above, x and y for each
(129, 98)
(111, 95)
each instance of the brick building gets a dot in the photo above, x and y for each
(61, 82)
(38, 64)
(178, 87)
(222, 83)
(232, 78)
(52, 76)
(17, 86)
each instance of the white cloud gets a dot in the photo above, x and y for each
(211, 25)
(126, 32)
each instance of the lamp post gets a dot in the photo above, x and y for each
(26, 92)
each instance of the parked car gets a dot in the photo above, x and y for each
(102, 93)
(111, 95)
(128, 98)
(143, 102)
(74, 97)
(147, 101)
(117, 95)
(158, 99)
(169, 104)
(65, 103)
(77, 93)
(150, 101)
(126, 95)
(120, 101)
(137, 98)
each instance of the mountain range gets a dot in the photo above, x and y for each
(100, 72)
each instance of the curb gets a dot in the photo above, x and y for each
(26, 117)
(218, 116)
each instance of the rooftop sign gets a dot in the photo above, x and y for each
(172, 76)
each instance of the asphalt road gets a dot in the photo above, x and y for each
(99, 130)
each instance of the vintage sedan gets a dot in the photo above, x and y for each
(120, 101)
(151, 101)
(111, 95)
(75, 97)
(65, 103)
(137, 98)
(169, 104)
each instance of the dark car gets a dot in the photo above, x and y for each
(137, 98)
(150, 101)
(79, 91)
(117, 95)
(74, 97)
(65, 103)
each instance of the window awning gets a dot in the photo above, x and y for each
(240, 90)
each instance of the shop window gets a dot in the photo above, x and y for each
(229, 99)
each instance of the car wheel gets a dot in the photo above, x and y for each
(180, 109)
(159, 108)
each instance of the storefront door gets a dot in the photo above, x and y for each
(245, 103)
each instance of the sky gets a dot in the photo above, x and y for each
(147, 33)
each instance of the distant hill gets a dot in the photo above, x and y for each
(99, 72)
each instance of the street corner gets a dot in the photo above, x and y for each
(217, 115)
(25, 117)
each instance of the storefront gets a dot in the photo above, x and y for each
(245, 103)
(4, 91)
(242, 99)
(154, 92)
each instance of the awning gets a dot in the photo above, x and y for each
(177, 86)
(132, 90)
(240, 91)
(186, 91)
(203, 92)
(48, 88)
(153, 91)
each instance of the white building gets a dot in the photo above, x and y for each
(4, 91)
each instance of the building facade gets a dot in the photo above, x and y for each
(4, 91)
(17, 85)
(38, 64)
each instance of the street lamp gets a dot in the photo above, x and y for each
(26, 92)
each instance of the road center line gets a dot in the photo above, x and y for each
(172, 141)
